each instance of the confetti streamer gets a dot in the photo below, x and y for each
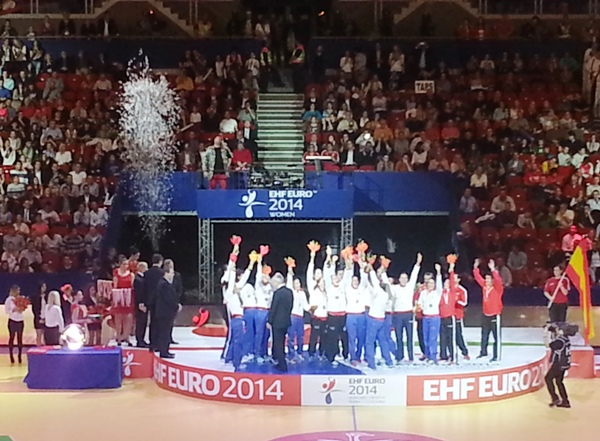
(149, 115)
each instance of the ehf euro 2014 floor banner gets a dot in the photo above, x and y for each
(349, 390)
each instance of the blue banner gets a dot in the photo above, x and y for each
(275, 204)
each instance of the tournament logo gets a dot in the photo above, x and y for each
(356, 436)
(128, 363)
(249, 202)
(327, 389)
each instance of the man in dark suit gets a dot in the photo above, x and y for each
(167, 305)
(280, 318)
(141, 311)
(151, 279)
(177, 284)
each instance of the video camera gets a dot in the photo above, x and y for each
(568, 329)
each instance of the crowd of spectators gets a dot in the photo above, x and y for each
(516, 133)
(60, 150)
(535, 28)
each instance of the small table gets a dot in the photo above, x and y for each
(87, 368)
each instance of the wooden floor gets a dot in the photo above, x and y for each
(141, 411)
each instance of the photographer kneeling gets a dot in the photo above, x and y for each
(560, 360)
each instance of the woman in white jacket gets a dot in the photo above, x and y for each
(53, 319)
(318, 307)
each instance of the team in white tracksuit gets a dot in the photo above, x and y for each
(381, 296)
(357, 293)
(403, 310)
(263, 292)
(336, 309)
(300, 306)
(315, 285)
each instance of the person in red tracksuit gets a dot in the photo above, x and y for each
(556, 291)
(462, 299)
(447, 311)
(493, 289)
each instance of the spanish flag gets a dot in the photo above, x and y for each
(578, 271)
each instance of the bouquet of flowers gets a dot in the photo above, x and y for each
(264, 250)
(290, 262)
(235, 240)
(233, 257)
(347, 252)
(451, 258)
(385, 262)
(22, 302)
(314, 246)
(362, 247)
(371, 258)
(253, 256)
(99, 310)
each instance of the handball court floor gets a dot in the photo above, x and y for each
(142, 411)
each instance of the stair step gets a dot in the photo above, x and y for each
(279, 105)
(281, 96)
(280, 131)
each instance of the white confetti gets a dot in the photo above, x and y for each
(149, 115)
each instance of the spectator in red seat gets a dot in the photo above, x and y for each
(384, 164)
(500, 201)
(54, 88)
(564, 216)
(584, 218)
(578, 158)
(228, 124)
(479, 183)
(506, 218)
(594, 260)
(504, 271)
(570, 240)
(98, 215)
(33, 256)
(594, 204)
(72, 243)
(574, 187)
(347, 124)
(81, 218)
(217, 163)
(39, 228)
(67, 265)
(450, 131)
(404, 164)
(48, 214)
(366, 156)
(419, 157)
(468, 203)
(547, 219)
(517, 259)
(439, 163)
(23, 266)
(20, 226)
(348, 156)
(515, 166)
(525, 220)
(331, 153)
(242, 158)
(383, 132)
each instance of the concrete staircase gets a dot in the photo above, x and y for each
(280, 133)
